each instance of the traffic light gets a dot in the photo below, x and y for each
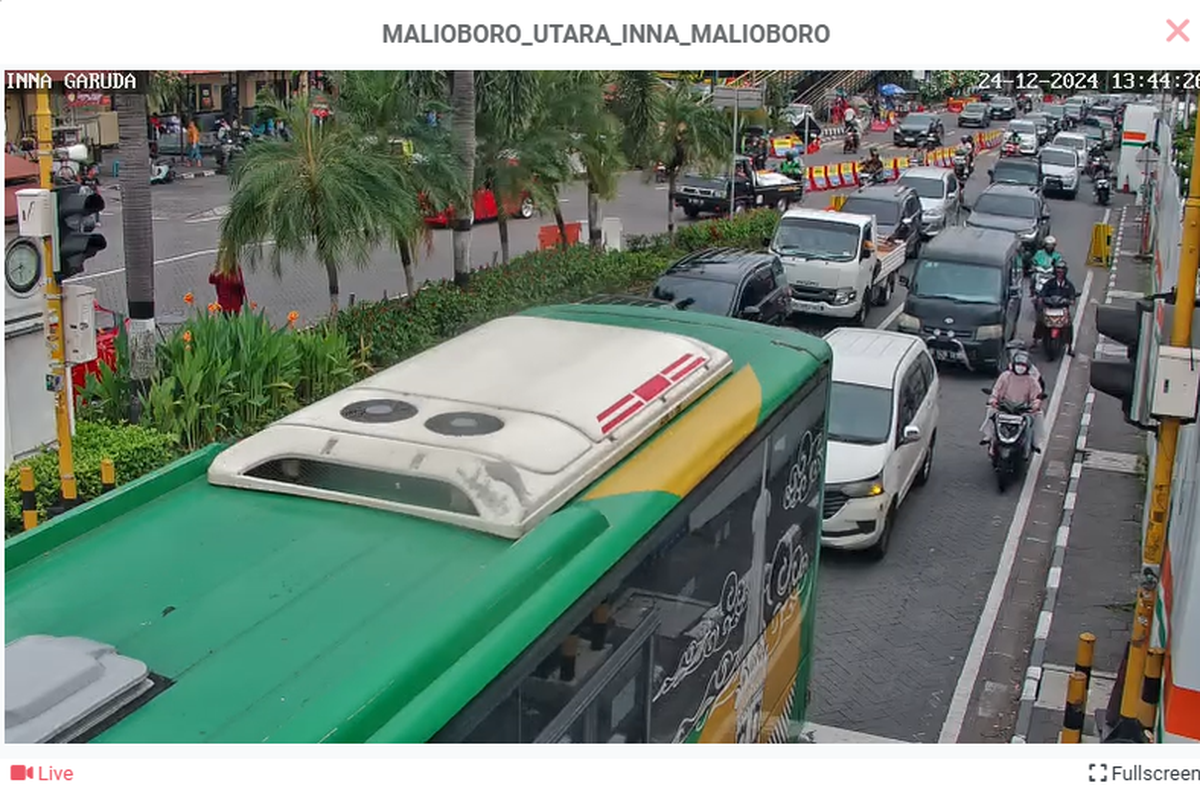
(77, 212)
(1127, 380)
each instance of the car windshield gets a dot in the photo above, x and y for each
(817, 238)
(1059, 158)
(976, 108)
(885, 211)
(1007, 172)
(696, 294)
(1006, 205)
(859, 414)
(1002, 101)
(930, 188)
(1022, 126)
(916, 122)
(1055, 111)
(961, 283)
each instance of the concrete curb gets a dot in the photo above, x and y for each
(1037, 653)
(187, 176)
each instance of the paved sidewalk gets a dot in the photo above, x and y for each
(1097, 555)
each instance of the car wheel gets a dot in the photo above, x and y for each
(860, 319)
(782, 204)
(927, 465)
(877, 551)
(740, 208)
(1072, 195)
(691, 213)
(526, 210)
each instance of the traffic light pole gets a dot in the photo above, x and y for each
(54, 327)
(1164, 467)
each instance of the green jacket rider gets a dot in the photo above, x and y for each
(790, 167)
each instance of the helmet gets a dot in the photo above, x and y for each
(791, 156)
(874, 151)
(966, 140)
(1060, 267)
(1020, 363)
(1050, 243)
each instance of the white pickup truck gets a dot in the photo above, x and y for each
(834, 263)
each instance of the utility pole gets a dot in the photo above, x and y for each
(1128, 727)
(54, 325)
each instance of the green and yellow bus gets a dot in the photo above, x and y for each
(584, 523)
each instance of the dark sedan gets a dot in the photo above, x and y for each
(918, 130)
(975, 115)
(1004, 108)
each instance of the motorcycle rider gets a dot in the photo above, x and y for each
(1017, 384)
(873, 165)
(967, 148)
(790, 166)
(1047, 257)
(1060, 288)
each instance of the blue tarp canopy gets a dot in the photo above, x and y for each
(890, 90)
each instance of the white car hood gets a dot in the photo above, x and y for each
(933, 203)
(1057, 170)
(847, 463)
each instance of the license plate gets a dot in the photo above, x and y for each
(945, 355)
(800, 305)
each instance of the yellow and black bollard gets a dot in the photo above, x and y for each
(108, 475)
(1076, 710)
(1085, 654)
(29, 512)
(1151, 688)
(570, 650)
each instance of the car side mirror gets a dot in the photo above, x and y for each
(751, 312)
(966, 207)
(1045, 216)
(911, 435)
(865, 254)
(907, 221)
(904, 281)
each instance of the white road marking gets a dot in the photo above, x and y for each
(824, 734)
(158, 263)
(956, 715)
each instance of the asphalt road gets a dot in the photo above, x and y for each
(892, 637)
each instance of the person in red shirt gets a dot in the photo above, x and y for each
(231, 289)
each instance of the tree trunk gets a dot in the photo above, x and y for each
(335, 289)
(595, 239)
(671, 203)
(406, 264)
(561, 223)
(137, 232)
(462, 131)
(502, 230)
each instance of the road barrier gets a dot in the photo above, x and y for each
(29, 512)
(1151, 688)
(108, 472)
(845, 174)
(1100, 250)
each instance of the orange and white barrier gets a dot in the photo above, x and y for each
(845, 173)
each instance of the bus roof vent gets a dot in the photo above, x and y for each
(58, 689)
(493, 430)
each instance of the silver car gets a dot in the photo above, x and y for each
(938, 190)
(1061, 170)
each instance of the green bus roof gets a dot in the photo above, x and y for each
(288, 619)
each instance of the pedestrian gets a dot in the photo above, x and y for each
(230, 285)
(193, 135)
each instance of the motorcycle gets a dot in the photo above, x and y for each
(1012, 441)
(161, 173)
(1056, 326)
(875, 178)
(1010, 149)
(1102, 189)
(962, 167)
(660, 173)
(850, 143)
(1041, 271)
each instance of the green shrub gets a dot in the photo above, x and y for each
(135, 451)
(393, 330)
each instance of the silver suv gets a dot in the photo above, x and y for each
(938, 190)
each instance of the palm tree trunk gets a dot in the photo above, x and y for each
(335, 289)
(137, 231)
(462, 107)
(406, 264)
(561, 223)
(502, 231)
(593, 217)
(671, 203)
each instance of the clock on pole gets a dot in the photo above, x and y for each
(23, 265)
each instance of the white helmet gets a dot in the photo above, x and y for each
(1020, 362)
(1051, 242)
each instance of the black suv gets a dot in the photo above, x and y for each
(729, 283)
(897, 212)
(1004, 108)
(1020, 210)
(919, 130)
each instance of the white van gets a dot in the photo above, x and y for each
(1073, 141)
(883, 418)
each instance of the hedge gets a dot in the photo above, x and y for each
(390, 331)
(135, 451)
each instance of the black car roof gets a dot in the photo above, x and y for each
(896, 193)
(727, 264)
(1018, 162)
(1009, 189)
(982, 246)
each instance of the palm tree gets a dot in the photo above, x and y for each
(323, 189)
(137, 230)
(688, 133)
(633, 103)
(462, 133)
(392, 109)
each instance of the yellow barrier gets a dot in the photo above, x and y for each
(1100, 250)
(837, 201)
